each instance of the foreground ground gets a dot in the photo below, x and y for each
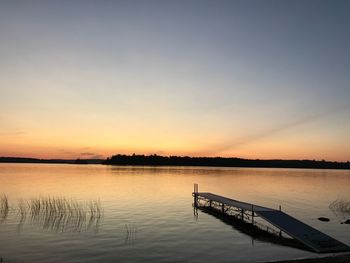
(344, 258)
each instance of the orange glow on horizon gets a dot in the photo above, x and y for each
(254, 151)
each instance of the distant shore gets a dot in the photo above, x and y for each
(157, 160)
(58, 161)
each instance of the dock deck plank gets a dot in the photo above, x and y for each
(232, 202)
(306, 234)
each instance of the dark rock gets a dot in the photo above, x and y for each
(347, 221)
(324, 219)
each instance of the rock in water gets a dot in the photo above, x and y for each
(347, 221)
(324, 219)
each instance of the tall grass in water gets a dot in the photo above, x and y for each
(54, 213)
(65, 215)
(4, 207)
(22, 213)
(340, 207)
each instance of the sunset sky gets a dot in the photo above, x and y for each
(252, 79)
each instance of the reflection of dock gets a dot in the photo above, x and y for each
(307, 235)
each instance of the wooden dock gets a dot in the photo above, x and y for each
(307, 235)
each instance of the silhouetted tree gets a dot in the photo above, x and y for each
(155, 159)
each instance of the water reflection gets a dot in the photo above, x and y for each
(22, 213)
(56, 214)
(131, 231)
(4, 208)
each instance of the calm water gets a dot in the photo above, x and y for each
(148, 214)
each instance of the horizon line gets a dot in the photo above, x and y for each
(180, 156)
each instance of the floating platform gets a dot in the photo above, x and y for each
(307, 235)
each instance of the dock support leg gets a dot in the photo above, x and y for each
(195, 195)
(210, 201)
(280, 230)
(223, 209)
(242, 214)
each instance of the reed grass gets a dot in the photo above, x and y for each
(55, 213)
(61, 214)
(340, 207)
(4, 207)
(22, 208)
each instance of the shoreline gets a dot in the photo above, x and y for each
(342, 258)
(186, 161)
(176, 165)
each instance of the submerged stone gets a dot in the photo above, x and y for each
(324, 219)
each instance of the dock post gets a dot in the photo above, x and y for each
(210, 202)
(223, 208)
(252, 214)
(280, 229)
(195, 195)
(242, 215)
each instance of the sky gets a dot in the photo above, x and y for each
(250, 79)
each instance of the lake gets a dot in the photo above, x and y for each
(146, 213)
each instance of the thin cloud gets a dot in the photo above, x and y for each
(87, 154)
(12, 133)
(91, 155)
(269, 132)
(66, 152)
(97, 156)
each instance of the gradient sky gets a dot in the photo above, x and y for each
(253, 79)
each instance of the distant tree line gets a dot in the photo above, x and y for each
(31, 160)
(35, 160)
(121, 159)
(157, 160)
